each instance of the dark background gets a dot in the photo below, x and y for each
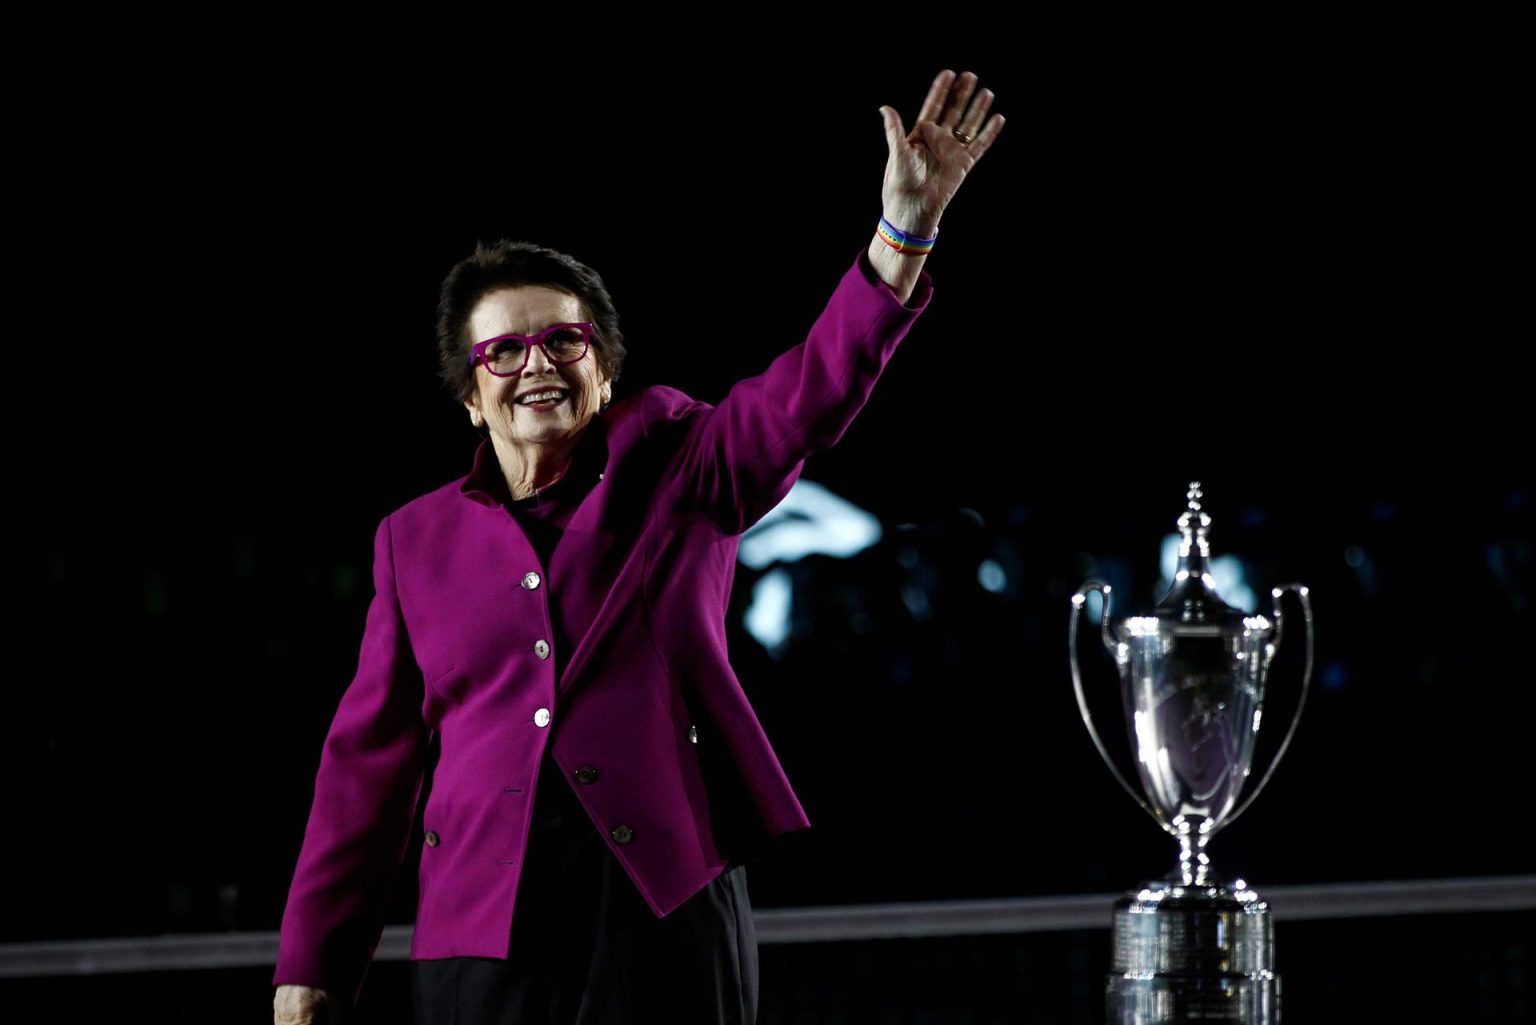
(1286, 273)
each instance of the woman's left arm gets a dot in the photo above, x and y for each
(923, 171)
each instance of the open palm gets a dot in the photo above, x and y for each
(926, 165)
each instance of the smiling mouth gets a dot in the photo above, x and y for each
(541, 403)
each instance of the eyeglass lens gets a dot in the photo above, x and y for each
(563, 345)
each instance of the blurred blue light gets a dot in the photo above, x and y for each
(1093, 607)
(1227, 575)
(1333, 676)
(1253, 516)
(916, 601)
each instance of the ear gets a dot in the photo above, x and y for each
(475, 416)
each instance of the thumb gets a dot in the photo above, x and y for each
(895, 134)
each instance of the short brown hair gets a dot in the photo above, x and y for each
(508, 264)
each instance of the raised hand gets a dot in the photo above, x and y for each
(926, 165)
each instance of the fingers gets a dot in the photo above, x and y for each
(970, 123)
(968, 109)
(894, 130)
(954, 104)
(933, 105)
(979, 144)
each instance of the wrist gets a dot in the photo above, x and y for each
(912, 219)
(903, 242)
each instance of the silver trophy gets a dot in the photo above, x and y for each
(1192, 946)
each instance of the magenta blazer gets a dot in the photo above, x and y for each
(648, 723)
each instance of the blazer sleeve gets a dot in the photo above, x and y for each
(740, 458)
(370, 777)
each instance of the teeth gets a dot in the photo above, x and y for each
(543, 396)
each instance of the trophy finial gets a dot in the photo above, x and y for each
(1193, 597)
(1194, 525)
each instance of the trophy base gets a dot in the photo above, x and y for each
(1193, 953)
(1172, 999)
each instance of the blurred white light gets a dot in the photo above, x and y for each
(809, 520)
(767, 617)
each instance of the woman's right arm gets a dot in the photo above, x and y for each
(370, 777)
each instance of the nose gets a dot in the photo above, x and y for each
(539, 363)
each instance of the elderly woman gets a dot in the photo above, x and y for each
(555, 621)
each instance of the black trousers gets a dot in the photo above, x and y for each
(587, 950)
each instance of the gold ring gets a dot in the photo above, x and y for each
(965, 140)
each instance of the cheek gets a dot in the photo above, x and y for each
(498, 395)
(585, 387)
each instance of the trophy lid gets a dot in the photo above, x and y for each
(1192, 602)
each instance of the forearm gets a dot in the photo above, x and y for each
(900, 270)
(738, 459)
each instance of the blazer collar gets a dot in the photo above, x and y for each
(487, 485)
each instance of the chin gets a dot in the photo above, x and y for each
(552, 432)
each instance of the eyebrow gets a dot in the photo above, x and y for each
(529, 334)
(591, 329)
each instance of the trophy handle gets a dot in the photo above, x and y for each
(1306, 682)
(1078, 600)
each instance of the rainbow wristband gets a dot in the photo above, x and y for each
(904, 243)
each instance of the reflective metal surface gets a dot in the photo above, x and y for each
(1193, 674)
